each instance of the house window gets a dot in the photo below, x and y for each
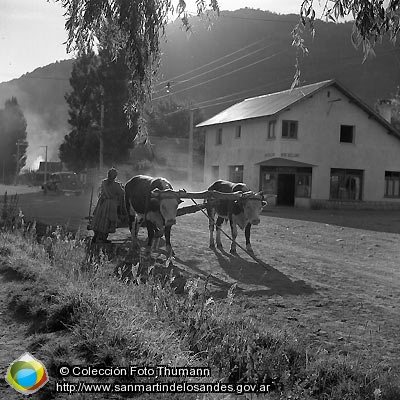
(346, 184)
(289, 129)
(215, 172)
(346, 134)
(392, 184)
(238, 131)
(218, 138)
(271, 129)
(236, 173)
(303, 185)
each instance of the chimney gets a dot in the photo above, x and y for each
(384, 108)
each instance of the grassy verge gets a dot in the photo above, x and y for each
(78, 312)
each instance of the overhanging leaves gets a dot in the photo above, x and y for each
(131, 27)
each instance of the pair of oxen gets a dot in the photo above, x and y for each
(154, 203)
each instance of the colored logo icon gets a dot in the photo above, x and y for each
(27, 374)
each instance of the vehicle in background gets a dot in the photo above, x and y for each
(63, 183)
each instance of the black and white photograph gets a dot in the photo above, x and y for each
(200, 200)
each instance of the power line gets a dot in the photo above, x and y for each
(238, 69)
(203, 104)
(223, 75)
(241, 98)
(396, 49)
(220, 66)
(200, 104)
(288, 79)
(212, 62)
(241, 92)
(163, 82)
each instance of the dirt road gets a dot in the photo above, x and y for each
(338, 286)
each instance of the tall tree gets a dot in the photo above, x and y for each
(97, 80)
(80, 148)
(13, 143)
(118, 136)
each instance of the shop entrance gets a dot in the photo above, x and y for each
(285, 182)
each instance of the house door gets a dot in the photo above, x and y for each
(286, 188)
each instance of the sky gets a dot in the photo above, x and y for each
(32, 32)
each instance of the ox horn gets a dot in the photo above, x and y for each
(158, 192)
(246, 194)
(155, 192)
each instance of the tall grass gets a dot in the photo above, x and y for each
(79, 312)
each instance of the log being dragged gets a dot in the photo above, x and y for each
(205, 194)
(209, 194)
(190, 209)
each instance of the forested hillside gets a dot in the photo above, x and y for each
(243, 53)
(251, 72)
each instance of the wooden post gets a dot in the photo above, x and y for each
(90, 205)
(17, 171)
(45, 167)
(101, 131)
(190, 153)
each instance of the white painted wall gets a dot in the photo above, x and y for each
(319, 119)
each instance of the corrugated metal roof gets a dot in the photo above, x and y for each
(265, 105)
(271, 104)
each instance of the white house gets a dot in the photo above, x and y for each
(314, 145)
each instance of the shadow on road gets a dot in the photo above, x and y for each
(250, 276)
(379, 220)
(220, 285)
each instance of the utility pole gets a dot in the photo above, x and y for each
(190, 153)
(19, 143)
(17, 171)
(101, 130)
(45, 166)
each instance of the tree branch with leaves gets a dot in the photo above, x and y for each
(373, 20)
(131, 28)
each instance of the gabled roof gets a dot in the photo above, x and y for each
(263, 106)
(271, 104)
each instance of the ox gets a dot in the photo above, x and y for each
(154, 202)
(243, 211)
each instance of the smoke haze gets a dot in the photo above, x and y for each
(40, 95)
